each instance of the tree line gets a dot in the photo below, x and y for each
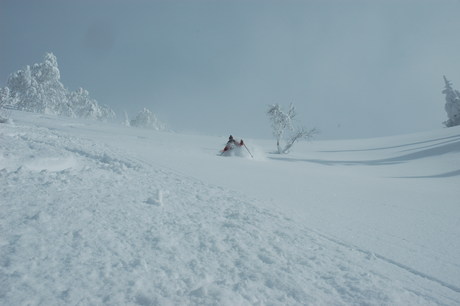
(38, 88)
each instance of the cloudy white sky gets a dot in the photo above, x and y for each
(353, 68)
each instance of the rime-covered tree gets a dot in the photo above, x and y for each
(5, 100)
(452, 105)
(39, 89)
(281, 121)
(147, 119)
(85, 107)
(5, 97)
(283, 128)
(126, 122)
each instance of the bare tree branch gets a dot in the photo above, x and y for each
(281, 122)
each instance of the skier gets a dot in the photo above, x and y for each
(232, 143)
(231, 140)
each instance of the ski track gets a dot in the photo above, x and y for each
(104, 228)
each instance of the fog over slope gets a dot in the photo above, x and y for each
(353, 68)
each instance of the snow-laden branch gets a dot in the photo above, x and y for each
(282, 122)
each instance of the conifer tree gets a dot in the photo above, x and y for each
(452, 105)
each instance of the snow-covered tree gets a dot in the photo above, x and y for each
(452, 105)
(85, 107)
(126, 121)
(5, 100)
(5, 97)
(147, 119)
(283, 128)
(39, 89)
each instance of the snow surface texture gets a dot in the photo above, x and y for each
(94, 214)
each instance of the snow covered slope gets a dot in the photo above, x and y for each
(95, 214)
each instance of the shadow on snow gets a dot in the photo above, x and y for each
(442, 175)
(449, 139)
(427, 151)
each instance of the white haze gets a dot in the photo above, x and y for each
(352, 68)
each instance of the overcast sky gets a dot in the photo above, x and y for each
(352, 68)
